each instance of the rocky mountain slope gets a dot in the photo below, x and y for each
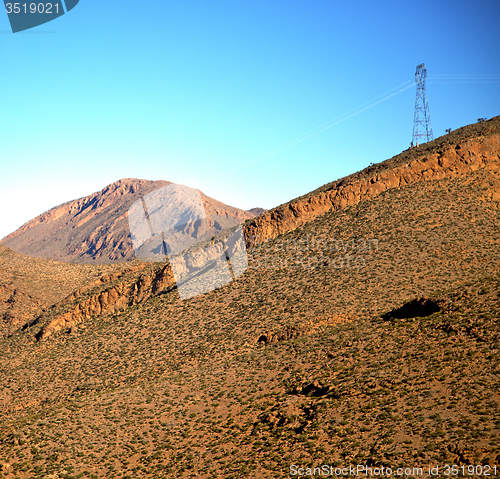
(28, 286)
(95, 229)
(367, 334)
(465, 150)
(456, 155)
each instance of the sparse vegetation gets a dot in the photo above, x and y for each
(358, 368)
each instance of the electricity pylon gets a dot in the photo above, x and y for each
(422, 128)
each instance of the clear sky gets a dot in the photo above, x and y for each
(214, 94)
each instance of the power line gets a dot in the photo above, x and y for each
(452, 82)
(457, 78)
(355, 111)
(432, 75)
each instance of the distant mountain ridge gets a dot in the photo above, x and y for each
(95, 229)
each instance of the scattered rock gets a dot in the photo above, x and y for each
(314, 389)
(290, 332)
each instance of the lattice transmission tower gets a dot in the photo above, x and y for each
(422, 129)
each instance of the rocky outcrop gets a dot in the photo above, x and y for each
(315, 389)
(119, 295)
(444, 161)
(293, 331)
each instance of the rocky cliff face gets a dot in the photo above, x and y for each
(118, 291)
(446, 159)
(95, 229)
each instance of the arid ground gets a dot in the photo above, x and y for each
(364, 332)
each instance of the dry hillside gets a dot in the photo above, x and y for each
(28, 286)
(366, 333)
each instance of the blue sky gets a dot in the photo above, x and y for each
(200, 92)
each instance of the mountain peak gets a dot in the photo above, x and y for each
(94, 229)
